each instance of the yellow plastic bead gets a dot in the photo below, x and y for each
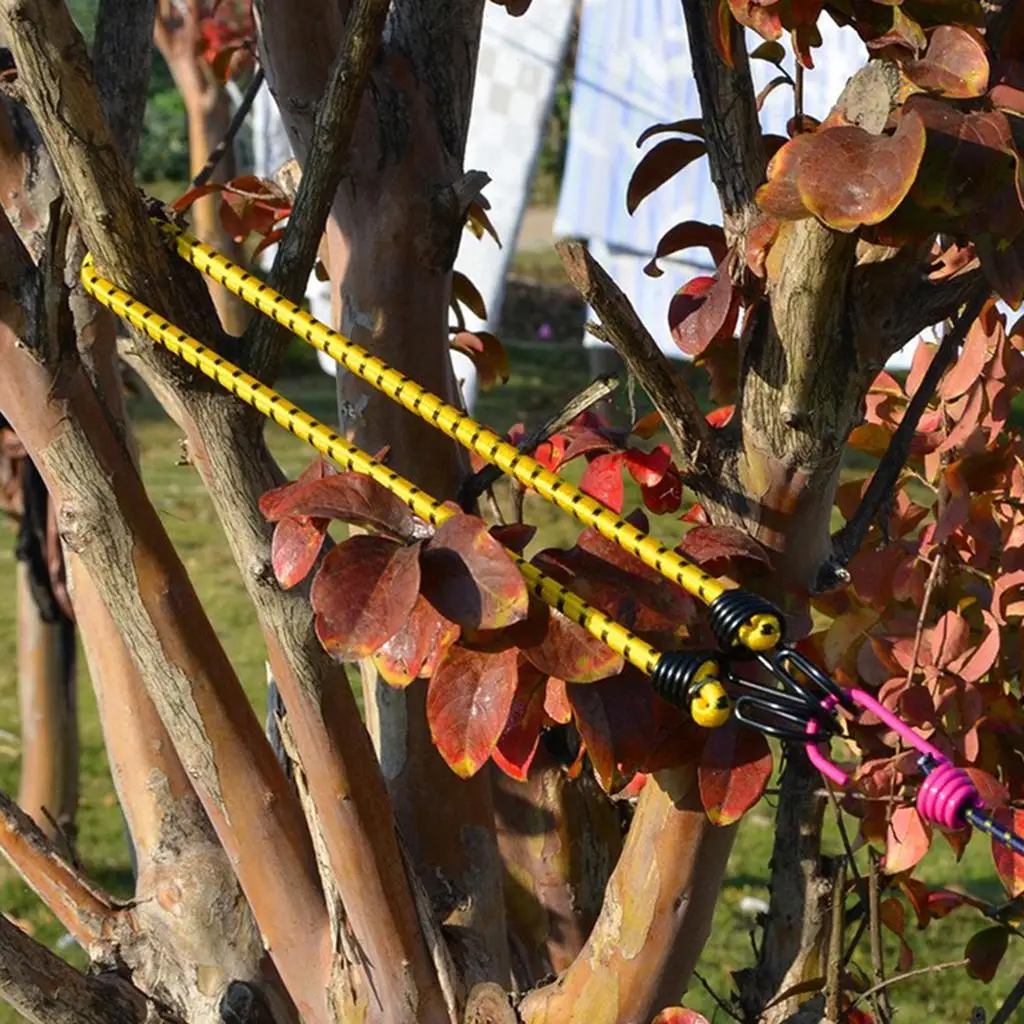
(711, 707)
(761, 633)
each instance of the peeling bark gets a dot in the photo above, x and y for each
(559, 840)
(48, 788)
(655, 918)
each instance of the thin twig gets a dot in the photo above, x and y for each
(847, 541)
(1013, 1000)
(919, 972)
(477, 484)
(721, 1003)
(333, 129)
(879, 997)
(798, 97)
(623, 329)
(929, 590)
(833, 989)
(843, 834)
(235, 125)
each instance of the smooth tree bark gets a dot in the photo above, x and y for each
(393, 233)
(208, 112)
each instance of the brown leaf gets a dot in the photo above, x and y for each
(664, 161)
(556, 702)
(713, 546)
(878, 172)
(349, 497)
(468, 704)
(955, 64)
(689, 126)
(470, 578)
(466, 292)
(985, 951)
(364, 591)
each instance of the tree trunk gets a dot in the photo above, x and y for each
(48, 788)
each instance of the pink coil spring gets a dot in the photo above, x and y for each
(947, 791)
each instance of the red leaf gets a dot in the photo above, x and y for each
(664, 161)
(602, 480)
(296, 547)
(721, 416)
(702, 310)
(985, 951)
(487, 354)
(518, 743)
(648, 468)
(566, 650)
(992, 792)
(349, 497)
(587, 442)
(1009, 866)
(470, 578)
(967, 369)
(666, 496)
(708, 546)
(974, 663)
(364, 591)
(402, 658)
(907, 840)
(468, 703)
(556, 702)
(677, 1015)
(734, 769)
(615, 718)
(514, 536)
(688, 235)
(182, 203)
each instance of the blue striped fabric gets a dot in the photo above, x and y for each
(633, 70)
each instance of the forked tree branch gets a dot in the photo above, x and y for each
(333, 129)
(847, 541)
(84, 911)
(44, 989)
(622, 328)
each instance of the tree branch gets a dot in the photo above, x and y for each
(919, 972)
(622, 328)
(333, 129)
(729, 107)
(234, 127)
(847, 541)
(84, 911)
(122, 56)
(46, 990)
(60, 91)
(1013, 1000)
(636, 962)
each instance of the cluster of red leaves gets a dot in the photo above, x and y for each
(248, 206)
(449, 605)
(948, 161)
(227, 36)
(949, 559)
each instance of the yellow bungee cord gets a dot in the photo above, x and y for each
(738, 618)
(688, 679)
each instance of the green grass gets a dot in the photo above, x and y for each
(543, 377)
